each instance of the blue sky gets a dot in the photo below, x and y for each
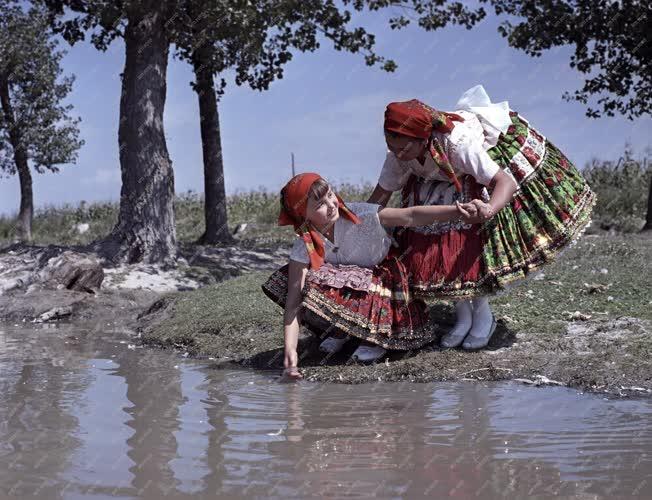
(327, 110)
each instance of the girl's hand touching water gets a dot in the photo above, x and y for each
(291, 361)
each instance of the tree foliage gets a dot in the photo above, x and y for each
(30, 66)
(257, 38)
(612, 41)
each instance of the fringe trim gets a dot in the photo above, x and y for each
(340, 318)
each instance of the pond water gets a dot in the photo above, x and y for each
(85, 413)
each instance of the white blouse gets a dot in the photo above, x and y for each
(365, 244)
(466, 145)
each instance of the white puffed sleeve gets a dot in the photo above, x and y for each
(393, 176)
(299, 252)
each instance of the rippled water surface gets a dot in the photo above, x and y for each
(83, 415)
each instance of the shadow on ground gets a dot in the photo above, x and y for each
(311, 357)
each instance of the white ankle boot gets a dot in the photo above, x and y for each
(462, 326)
(331, 345)
(484, 325)
(366, 353)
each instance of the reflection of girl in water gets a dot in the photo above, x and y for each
(350, 442)
(371, 304)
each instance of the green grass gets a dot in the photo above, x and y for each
(628, 262)
(223, 318)
(230, 319)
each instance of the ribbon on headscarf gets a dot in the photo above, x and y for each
(416, 119)
(294, 202)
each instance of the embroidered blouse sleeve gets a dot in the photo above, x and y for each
(299, 252)
(468, 155)
(393, 176)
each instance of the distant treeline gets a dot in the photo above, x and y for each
(622, 187)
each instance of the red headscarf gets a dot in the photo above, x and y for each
(294, 201)
(416, 119)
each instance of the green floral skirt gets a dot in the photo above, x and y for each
(551, 208)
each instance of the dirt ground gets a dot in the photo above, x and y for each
(584, 322)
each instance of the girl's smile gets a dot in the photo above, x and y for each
(323, 211)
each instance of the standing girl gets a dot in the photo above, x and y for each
(533, 200)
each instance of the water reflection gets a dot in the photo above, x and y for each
(154, 391)
(84, 416)
(38, 397)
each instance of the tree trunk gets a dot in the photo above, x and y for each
(145, 231)
(217, 229)
(24, 222)
(648, 218)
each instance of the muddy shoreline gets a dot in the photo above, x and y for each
(584, 324)
(581, 355)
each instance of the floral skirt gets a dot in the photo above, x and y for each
(372, 304)
(550, 209)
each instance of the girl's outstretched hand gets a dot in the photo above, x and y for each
(291, 361)
(468, 212)
(485, 210)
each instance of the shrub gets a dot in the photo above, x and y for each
(622, 188)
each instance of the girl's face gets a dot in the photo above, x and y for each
(405, 148)
(323, 212)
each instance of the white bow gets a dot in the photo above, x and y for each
(494, 117)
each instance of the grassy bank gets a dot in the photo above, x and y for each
(584, 323)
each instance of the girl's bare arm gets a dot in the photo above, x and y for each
(296, 278)
(504, 189)
(421, 215)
